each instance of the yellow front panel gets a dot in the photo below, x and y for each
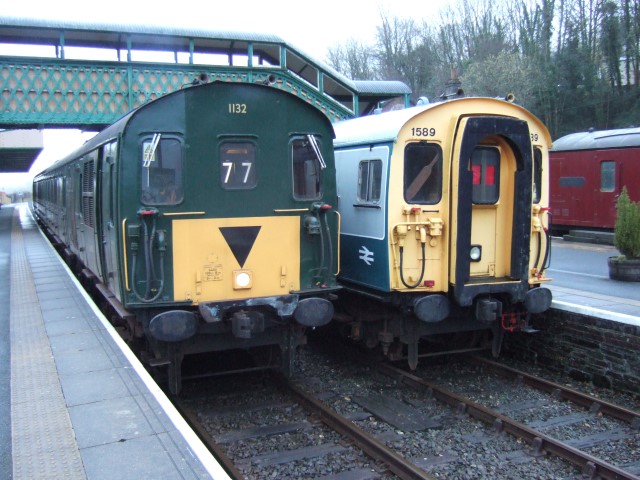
(231, 258)
(432, 217)
(412, 254)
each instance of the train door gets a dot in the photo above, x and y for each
(490, 208)
(75, 201)
(362, 184)
(69, 205)
(606, 189)
(85, 212)
(107, 229)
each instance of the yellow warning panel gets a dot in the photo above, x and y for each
(231, 258)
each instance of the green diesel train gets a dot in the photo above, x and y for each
(205, 221)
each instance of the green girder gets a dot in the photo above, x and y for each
(84, 93)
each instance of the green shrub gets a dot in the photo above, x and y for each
(627, 229)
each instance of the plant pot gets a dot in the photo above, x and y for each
(624, 269)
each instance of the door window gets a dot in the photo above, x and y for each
(607, 176)
(485, 168)
(369, 181)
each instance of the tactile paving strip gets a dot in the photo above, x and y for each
(44, 444)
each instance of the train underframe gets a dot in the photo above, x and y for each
(262, 332)
(390, 323)
(270, 336)
(274, 326)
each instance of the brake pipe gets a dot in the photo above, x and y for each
(423, 241)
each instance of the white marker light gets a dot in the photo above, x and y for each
(241, 279)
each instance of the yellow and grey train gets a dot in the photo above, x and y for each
(205, 220)
(444, 223)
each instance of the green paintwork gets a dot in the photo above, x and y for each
(201, 118)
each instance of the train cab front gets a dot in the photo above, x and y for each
(250, 275)
(499, 249)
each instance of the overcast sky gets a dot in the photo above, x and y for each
(311, 27)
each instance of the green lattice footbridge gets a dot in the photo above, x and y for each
(39, 90)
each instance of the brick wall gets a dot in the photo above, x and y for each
(604, 352)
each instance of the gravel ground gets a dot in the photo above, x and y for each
(236, 403)
(627, 400)
(454, 447)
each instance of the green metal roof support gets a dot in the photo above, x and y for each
(250, 60)
(130, 81)
(61, 44)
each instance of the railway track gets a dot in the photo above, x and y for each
(573, 449)
(280, 428)
(340, 419)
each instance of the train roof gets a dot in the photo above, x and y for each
(98, 139)
(598, 139)
(381, 86)
(385, 127)
(374, 128)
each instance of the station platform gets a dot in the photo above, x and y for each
(606, 307)
(581, 283)
(81, 404)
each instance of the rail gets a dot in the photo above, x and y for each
(589, 465)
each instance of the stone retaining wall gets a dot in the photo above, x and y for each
(604, 352)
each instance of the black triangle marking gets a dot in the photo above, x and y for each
(240, 241)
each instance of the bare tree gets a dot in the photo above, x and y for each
(354, 60)
(574, 63)
(406, 52)
(631, 40)
(610, 43)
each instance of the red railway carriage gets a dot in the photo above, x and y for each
(588, 171)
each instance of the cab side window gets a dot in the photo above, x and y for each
(422, 173)
(537, 175)
(162, 176)
(307, 164)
